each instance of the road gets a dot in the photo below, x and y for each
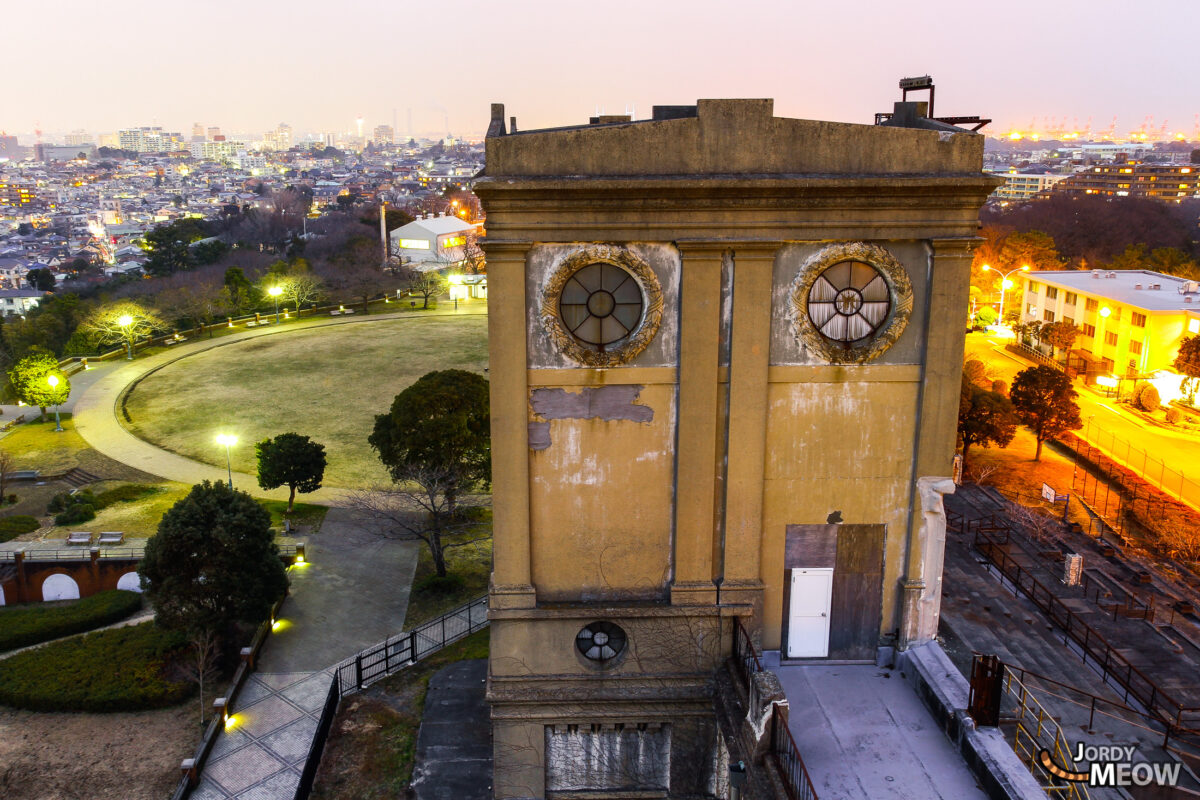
(1105, 419)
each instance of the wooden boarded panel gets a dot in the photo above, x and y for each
(810, 546)
(857, 605)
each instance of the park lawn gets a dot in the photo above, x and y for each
(371, 746)
(326, 382)
(137, 518)
(1015, 472)
(308, 516)
(472, 563)
(35, 445)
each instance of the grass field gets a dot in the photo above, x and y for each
(35, 445)
(327, 383)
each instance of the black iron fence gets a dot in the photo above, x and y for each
(1113, 666)
(397, 652)
(782, 747)
(309, 774)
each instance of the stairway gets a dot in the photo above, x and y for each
(79, 477)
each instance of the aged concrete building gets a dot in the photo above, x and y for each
(725, 360)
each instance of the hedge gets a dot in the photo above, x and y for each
(120, 669)
(14, 526)
(32, 623)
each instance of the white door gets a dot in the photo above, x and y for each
(808, 618)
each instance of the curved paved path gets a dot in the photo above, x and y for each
(96, 412)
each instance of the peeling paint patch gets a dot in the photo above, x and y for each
(594, 402)
(835, 518)
(539, 435)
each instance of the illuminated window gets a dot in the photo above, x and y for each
(414, 244)
(1194, 326)
(1135, 347)
(454, 241)
(1051, 293)
(1089, 330)
(1110, 338)
(1048, 315)
(849, 301)
(1072, 298)
(1138, 320)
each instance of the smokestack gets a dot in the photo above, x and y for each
(512, 127)
(496, 128)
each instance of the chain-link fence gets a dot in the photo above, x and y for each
(1172, 480)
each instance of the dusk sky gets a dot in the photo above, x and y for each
(248, 65)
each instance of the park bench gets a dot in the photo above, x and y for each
(24, 475)
(335, 312)
(171, 342)
(79, 537)
(111, 537)
(251, 324)
(347, 310)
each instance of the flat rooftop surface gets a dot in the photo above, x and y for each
(863, 733)
(1121, 289)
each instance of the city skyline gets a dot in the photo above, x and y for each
(556, 64)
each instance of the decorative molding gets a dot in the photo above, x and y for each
(888, 332)
(647, 327)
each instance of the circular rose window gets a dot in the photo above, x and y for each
(849, 301)
(601, 304)
(600, 641)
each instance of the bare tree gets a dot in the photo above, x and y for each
(201, 665)
(428, 285)
(124, 322)
(419, 508)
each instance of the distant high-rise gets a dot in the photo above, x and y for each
(280, 138)
(384, 134)
(197, 132)
(78, 137)
(213, 133)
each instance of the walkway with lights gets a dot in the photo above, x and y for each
(96, 409)
(352, 592)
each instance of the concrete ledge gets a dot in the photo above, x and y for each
(944, 691)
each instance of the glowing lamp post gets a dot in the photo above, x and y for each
(1005, 283)
(125, 321)
(275, 291)
(229, 440)
(53, 381)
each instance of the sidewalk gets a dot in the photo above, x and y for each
(352, 593)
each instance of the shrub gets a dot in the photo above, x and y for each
(1000, 387)
(12, 499)
(58, 503)
(1149, 400)
(439, 585)
(14, 526)
(1173, 416)
(121, 669)
(32, 623)
(81, 512)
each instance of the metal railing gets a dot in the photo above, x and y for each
(84, 553)
(1113, 666)
(396, 652)
(380, 660)
(1038, 730)
(782, 747)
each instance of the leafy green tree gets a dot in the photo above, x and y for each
(1060, 335)
(1033, 248)
(984, 418)
(213, 562)
(290, 460)
(30, 379)
(168, 245)
(41, 279)
(239, 291)
(442, 425)
(1045, 403)
(985, 316)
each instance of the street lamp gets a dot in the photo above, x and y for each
(125, 321)
(1005, 283)
(53, 381)
(229, 440)
(275, 291)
